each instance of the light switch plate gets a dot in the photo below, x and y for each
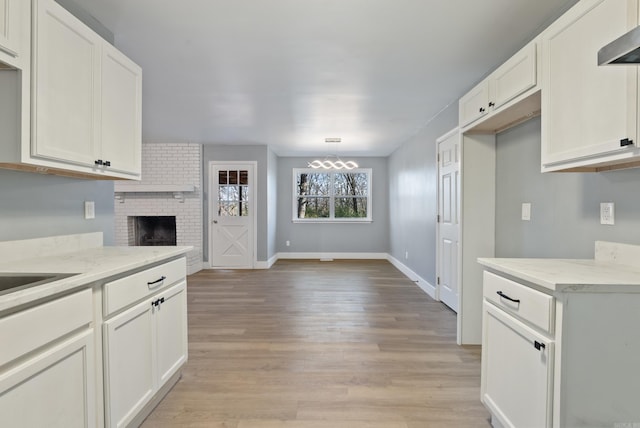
(607, 215)
(526, 211)
(89, 210)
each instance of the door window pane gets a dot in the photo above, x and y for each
(233, 193)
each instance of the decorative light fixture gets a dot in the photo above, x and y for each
(327, 163)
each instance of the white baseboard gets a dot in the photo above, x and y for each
(329, 256)
(267, 264)
(421, 282)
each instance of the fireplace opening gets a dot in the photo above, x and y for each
(154, 230)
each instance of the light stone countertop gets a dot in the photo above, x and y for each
(569, 274)
(614, 268)
(90, 264)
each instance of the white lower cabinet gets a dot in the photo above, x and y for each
(129, 378)
(143, 347)
(517, 368)
(48, 376)
(560, 358)
(171, 333)
(53, 389)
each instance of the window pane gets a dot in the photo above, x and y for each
(313, 184)
(355, 184)
(244, 177)
(233, 177)
(228, 209)
(244, 193)
(233, 193)
(223, 194)
(313, 207)
(222, 177)
(244, 209)
(353, 207)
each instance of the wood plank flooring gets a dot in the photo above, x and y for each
(310, 344)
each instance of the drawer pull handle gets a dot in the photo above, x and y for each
(538, 345)
(157, 302)
(157, 281)
(504, 296)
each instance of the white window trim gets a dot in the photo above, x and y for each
(294, 203)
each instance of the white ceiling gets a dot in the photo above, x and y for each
(289, 73)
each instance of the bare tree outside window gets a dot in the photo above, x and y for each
(332, 195)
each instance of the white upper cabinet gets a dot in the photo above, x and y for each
(590, 112)
(514, 77)
(501, 98)
(71, 103)
(475, 103)
(121, 108)
(66, 100)
(10, 22)
(86, 110)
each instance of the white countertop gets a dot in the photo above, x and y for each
(91, 264)
(569, 274)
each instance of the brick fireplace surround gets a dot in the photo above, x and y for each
(171, 185)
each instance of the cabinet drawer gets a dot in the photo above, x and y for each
(32, 328)
(130, 289)
(526, 303)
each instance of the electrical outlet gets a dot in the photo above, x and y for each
(607, 215)
(89, 210)
(526, 211)
(406, 255)
(288, 243)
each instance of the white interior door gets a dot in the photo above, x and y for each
(449, 218)
(232, 215)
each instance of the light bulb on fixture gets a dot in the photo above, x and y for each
(327, 163)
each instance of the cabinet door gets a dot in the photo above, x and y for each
(9, 26)
(474, 104)
(171, 331)
(121, 111)
(516, 376)
(514, 77)
(66, 55)
(586, 109)
(128, 361)
(56, 388)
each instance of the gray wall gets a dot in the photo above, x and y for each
(412, 190)
(35, 206)
(272, 203)
(565, 213)
(259, 154)
(333, 237)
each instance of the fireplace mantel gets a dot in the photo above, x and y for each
(178, 190)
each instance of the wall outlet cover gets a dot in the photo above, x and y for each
(526, 211)
(89, 210)
(607, 214)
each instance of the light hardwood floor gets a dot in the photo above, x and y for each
(310, 344)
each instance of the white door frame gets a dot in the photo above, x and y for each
(454, 131)
(252, 203)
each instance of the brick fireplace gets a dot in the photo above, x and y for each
(171, 187)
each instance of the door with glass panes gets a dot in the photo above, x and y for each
(231, 215)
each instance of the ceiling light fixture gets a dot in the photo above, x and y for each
(327, 163)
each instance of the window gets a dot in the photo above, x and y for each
(233, 193)
(331, 195)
